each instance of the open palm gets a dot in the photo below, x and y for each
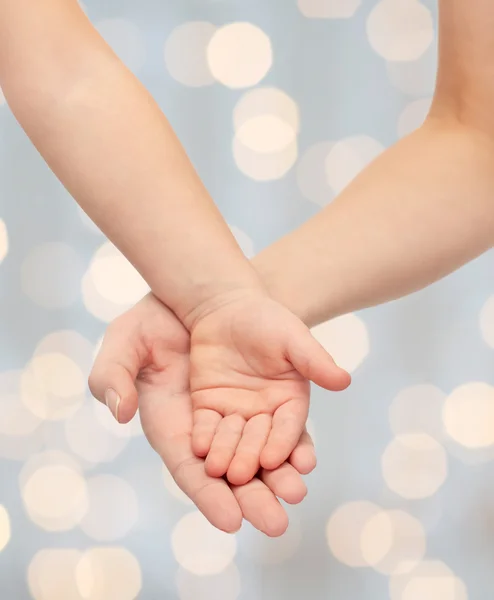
(252, 362)
(145, 359)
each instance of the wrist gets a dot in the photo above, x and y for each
(211, 298)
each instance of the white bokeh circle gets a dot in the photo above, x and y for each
(53, 386)
(348, 157)
(468, 415)
(347, 340)
(344, 531)
(5, 528)
(414, 466)
(393, 542)
(264, 167)
(186, 53)
(111, 284)
(328, 9)
(430, 580)
(55, 497)
(239, 55)
(4, 239)
(266, 101)
(200, 548)
(51, 574)
(16, 419)
(111, 573)
(400, 30)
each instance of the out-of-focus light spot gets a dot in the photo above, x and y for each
(51, 575)
(186, 53)
(468, 415)
(239, 55)
(111, 285)
(400, 30)
(4, 236)
(414, 466)
(89, 439)
(393, 542)
(344, 531)
(5, 529)
(329, 9)
(200, 548)
(264, 167)
(430, 580)
(113, 509)
(15, 418)
(346, 339)
(52, 386)
(487, 322)
(108, 574)
(55, 496)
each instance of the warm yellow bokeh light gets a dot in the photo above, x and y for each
(346, 339)
(430, 580)
(414, 466)
(344, 531)
(400, 30)
(266, 101)
(4, 236)
(199, 547)
(468, 415)
(108, 574)
(54, 492)
(334, 9)
(264, 167)
(239, 55)
(393, 542)
(51, 575)
(53, 386)
(5, 529)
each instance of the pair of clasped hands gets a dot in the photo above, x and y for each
(223, 399)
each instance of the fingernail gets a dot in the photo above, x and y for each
(112, 400)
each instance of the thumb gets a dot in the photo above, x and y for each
(313, 362)
(112, 378)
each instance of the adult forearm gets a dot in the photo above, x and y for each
(423, 209)
(108, 142)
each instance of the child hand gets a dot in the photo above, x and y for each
(252, 362)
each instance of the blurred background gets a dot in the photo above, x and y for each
(280, 103)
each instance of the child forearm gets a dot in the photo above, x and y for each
(108, 142)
